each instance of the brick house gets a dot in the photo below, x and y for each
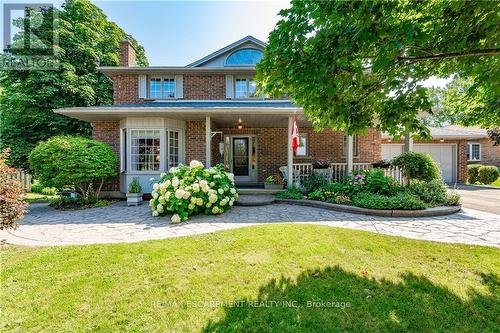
(209, 111)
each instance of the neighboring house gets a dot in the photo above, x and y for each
(209, 111)
(453, 148)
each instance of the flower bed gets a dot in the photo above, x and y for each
(373, 190)
(190, 190)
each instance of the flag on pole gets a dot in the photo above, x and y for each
(295, 135)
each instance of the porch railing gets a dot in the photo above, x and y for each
(337, 171)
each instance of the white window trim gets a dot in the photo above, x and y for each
(163, 149)
(162, 92)
(469, 151)
(248, 79)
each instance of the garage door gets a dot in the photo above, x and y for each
(443, 155)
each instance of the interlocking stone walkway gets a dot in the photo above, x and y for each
(44, 226)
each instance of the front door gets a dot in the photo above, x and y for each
(241, 157)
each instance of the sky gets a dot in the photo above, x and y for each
(176, 33)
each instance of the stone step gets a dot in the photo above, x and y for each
(257, 191)
(255, 200)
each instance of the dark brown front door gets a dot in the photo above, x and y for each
(240, 157)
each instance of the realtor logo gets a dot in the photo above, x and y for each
(29, 36)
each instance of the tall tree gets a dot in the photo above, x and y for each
(86, 39)
(359, 64)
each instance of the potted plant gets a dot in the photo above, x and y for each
(134, 193)
(273, 182)
(322, 168)
(382, 164)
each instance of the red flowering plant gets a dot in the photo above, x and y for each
(12, 204)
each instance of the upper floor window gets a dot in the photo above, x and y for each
(474, 152)
(244, 57)
(245, 88)
(161, 88)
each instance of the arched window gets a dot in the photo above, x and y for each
(244, 57)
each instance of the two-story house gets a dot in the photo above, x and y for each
(209, 111)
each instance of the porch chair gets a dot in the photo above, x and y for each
(296, 175)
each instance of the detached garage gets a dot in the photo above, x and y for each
(445, 155)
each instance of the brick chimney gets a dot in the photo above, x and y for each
(127, 54)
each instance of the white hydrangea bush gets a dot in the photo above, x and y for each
(189, 190)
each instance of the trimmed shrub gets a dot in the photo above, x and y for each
(36, 187)
(76, 162)
(189, 190)
(472, 173)
(291, 193)
(67, 203)
(416, 165)
(487, 174)
(405, 201)
(12, 205)
(378, 183)
(433, 192)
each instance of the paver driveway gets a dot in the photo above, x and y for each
(486, 199)
(119, 223)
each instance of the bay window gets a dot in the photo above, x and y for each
(145, 150)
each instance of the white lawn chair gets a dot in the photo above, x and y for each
(296, 175)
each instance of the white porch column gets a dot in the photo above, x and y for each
(349, 154)
(408, 142)
(208, 142)
(290, 153)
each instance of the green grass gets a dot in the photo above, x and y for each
(38, 197)
(391, 284)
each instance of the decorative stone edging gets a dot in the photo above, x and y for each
(435, 211)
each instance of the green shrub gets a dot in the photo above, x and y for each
(77, 162)
(50, 191)
(36, 187)
(419, 166)
(472, 173)
(378, 183)
(316, 195)
(67, 203)
(135, 186)
(313, 182)
(338, 188)
(291, 193)
(487, 174)
(405, 201)
(191, 189)
(433, 192)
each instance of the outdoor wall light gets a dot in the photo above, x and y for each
(240, 124)
(441, 140)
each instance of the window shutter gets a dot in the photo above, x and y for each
(142, 86)
(179, 90)
(229, 86)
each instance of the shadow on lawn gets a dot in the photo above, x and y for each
(413, 305)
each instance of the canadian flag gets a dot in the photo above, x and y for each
(295, 135)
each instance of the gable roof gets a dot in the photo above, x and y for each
(247, 39)
(453, 132)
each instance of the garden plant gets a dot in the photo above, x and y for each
(192, 189)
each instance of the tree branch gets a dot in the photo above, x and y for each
(473, 53)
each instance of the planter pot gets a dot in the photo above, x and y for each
(134, 199)
(273, 186)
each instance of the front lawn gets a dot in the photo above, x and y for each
(274, 278)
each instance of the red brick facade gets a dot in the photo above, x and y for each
(126, 89)
(195, 141)
(204, 87)
(127, 54)
(490, 155)
(109, 132)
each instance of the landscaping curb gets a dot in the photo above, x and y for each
(435, 211)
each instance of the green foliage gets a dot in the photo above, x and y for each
(452, 199)
(67, 203)
(291, 193)
(378, 183)
(359, 64)
(433, 192)
(38, 187)
(313, 182)
(487, 174)
(87, 39)
(274, 179)
(76, 162)
(473, 172)
(135, 186)
(316, 195)
(405, 201)
(416, 165)
(342, 200)
(190, 190)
